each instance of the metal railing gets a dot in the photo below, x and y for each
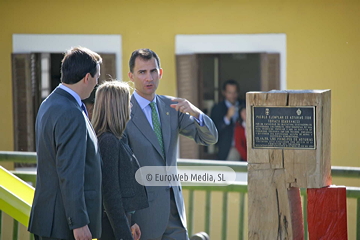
(236, 187)
(241, 188)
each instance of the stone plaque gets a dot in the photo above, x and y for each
(284, 127)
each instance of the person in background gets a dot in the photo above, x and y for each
(225, 114)
(67, 201)
(153, 133)
(122, 194)
(240, 134)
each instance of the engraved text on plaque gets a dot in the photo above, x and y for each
(284, 127)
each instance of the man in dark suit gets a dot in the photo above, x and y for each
(67, 201)
(225, 114)
(152, 133)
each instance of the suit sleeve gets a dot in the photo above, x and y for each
(203, 135)
(111, 153)
(70, 139)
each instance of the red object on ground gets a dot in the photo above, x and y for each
(326, 213)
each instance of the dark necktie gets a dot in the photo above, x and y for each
(84, 109)
(156, 126)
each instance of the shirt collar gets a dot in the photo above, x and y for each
(228, 104)
(143, 102)
(72, 93)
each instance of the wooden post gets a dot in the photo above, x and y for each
(288, 138)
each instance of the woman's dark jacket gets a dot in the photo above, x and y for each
(121, 192)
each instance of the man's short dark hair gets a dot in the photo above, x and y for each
(230, 82)
(77, 62)
(145, 54)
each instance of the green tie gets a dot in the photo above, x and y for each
(156, 126)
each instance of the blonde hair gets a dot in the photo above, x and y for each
(112, 108)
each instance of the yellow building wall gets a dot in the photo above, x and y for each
(323, 45)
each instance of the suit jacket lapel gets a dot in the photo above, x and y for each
(140, 121)
(165, 118)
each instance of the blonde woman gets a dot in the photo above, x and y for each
(122, 194)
